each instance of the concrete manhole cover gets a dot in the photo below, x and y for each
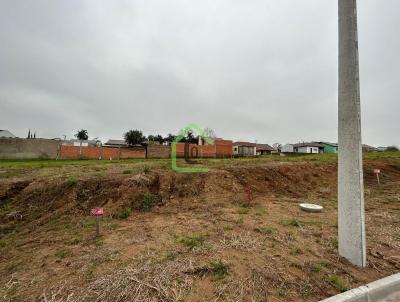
(309, 207)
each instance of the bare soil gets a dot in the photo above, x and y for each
(200, 241)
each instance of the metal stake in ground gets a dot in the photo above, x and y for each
(97, 212)
(351, 221)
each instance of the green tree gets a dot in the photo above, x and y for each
(190, 138)
(82, 135)
(392, 148)
(155, 138)
(134, 137)
(170, 138)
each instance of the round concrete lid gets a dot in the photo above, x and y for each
(309, 207)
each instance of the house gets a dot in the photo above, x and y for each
(308, 148)
(116, 143)
(6, 134)
(264, 149)
(83, 143)
(367, 148)
(244, 149)
(329, 148)
(288, 148)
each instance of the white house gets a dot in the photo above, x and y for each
(310, 148)
(288, 148)
(244, 149)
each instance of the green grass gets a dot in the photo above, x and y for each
(340, 283)
(124, 213)
(7, 240)
(192, 241)
(243, 210)
(265, 230)
(291, 222)
(52, 163)
(165, 163)
(219, 269)
(71, 182)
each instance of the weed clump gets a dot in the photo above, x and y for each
(192, 241)
(146, 202)
(219, 269)
(146, 170)
(340, 283)
(292, 222)
(124, 213)
(71, 182)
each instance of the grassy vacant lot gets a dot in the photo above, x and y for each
(188, 237)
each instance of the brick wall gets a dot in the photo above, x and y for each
(73, 152)
(220, 148)
(135, 152)
(158, 151)
(42, 148)
(223, 148)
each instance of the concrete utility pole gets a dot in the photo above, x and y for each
(351, 222)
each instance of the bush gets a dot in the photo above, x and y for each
(392, 148)
(192, 241)
(71, 182)
(219, 268)
(124, 213)
(146, 202)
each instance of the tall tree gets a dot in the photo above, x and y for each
(190, 138)
(170, 138)
(134, 137)
(82, 135)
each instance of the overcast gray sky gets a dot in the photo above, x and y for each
(261, 70)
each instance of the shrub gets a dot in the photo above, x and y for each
(340, 283)
(146, 170)
(146, 202)
(124, 213)
(71, 182)
(192, 241)
(219, 268)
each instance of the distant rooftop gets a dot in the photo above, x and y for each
(264, 147)
(312, 144)
(116, 142)
(329, 144)
(247, 144)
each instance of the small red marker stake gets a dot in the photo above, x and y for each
(249, 196)
(97, 212)
(377, 172)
